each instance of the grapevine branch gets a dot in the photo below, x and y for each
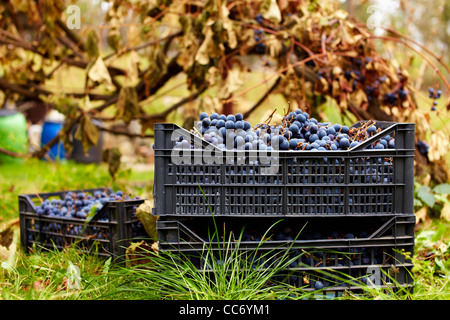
(12, 153)
(165, 113)
(424, 48)
(275, 74)
(263, 98)
(419, 53)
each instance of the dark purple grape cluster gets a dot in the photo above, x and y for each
(289, 233)
(359, 74)
(79, 205)
(297, 131)
(259, 18)
(259, 38)
(69, 214)
(392, 98)
(423, 147)
(435, 95)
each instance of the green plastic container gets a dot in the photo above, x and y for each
(13, 135)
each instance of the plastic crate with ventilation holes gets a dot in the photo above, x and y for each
(108, 233)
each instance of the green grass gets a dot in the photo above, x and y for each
(232, 277)
(45, 276)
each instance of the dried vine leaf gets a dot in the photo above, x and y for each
(114, 38)
(99, 73)
(127, 104)
(208, 48)
(229, 27)
(274, 45)
(6, 237)
(140, 254)
(422, 215)
(112, 157)
(234, 81)
(439, 146)
(156, 69)
(92, 44)
(421, 119)
(87, 132)
(9, 237)
(272, 12)
(144, 215)
(210, 104)
(445, 213)
(134, 62)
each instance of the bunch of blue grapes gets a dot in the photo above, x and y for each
(291, 233)
(260, 38)
(297, 131)
(79, 206)
(394, 97)
(435, 95)
(423, 147)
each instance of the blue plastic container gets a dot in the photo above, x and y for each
(50, 129)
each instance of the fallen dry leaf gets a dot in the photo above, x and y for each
(445, 213)
(422, 215)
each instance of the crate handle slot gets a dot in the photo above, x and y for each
(376, 137)
(382, 229)
(188, 232)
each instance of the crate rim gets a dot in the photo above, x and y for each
(392, 126)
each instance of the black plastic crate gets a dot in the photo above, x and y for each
(358, 247)
(359, 181)
(108, 233)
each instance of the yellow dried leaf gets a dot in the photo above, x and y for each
(274, 46)
(348, 37)
(420, 118)
(208, 48)
(133, 35)
(439, 146)
(210, 104)
(233, 82)
(144, 215)
(133, 67)
(336, 88)
(341, 14)
(228, 26)
(273, 12)
(324, 82)
(212, 75)
(422, 215)
(141, 253)
(337, 70)
(188, 52)
(442, 248)
(445, 213)
(87, 133)
(4, 253)
(358, 97)
(8, 253)
(99, 73)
